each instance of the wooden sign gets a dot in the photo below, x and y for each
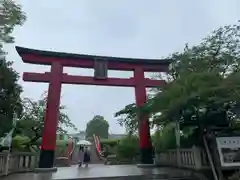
(100, 68)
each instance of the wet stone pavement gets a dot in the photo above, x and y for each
(103, 172)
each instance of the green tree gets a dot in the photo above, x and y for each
(202, 84)
(31, 122)
(98, 126)
(10, 101)
(11, 14)
(202, 92)
(128, 118)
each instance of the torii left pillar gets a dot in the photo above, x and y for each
(51, 117)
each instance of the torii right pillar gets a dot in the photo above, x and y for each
(146, 148)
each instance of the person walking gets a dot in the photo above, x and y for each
(86, 157)
(105, 154)
(80, 155)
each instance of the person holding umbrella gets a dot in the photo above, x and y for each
(84, 152)
(81, 155)
(86, 157)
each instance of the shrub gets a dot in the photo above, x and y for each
(61, 148)
(19, 143)
(164, 139)
(128, 147)
(109, 142)
(109, 145)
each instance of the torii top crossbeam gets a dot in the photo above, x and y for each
(87, 61)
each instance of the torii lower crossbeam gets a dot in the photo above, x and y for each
(89, 80)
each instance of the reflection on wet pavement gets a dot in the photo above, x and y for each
(98, 171)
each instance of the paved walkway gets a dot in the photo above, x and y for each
(100, 172)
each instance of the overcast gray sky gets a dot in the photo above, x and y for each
(125, 28)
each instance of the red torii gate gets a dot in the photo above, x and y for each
(101, 64)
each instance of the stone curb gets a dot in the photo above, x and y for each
(45, 170)
(146, 165)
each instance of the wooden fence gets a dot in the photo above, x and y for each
(17, 162)
(194, 158)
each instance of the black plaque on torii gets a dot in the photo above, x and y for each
(100, 68)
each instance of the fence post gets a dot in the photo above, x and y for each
(4, 164)
(197, 157)
(7, 165)
(178, 150)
